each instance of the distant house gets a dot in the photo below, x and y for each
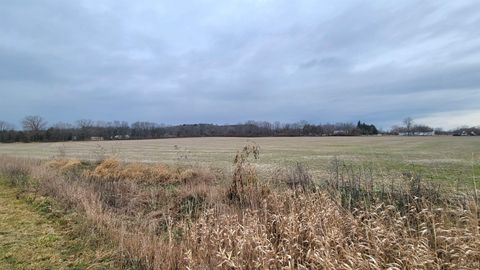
(417, 133)
(466, 133)
(474, 131)
(121, 137)
(96, 138)
(424, 133)
(339, 133)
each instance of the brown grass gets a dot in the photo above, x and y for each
(115, 170)
(441, 158)
(65, 165)
(170, 217)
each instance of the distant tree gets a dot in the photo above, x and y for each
(6, 132)
(328, 129)
(144, 129)
(62, 125)
(35, 130)
(302, 123)
(86, 128)
(34, 126)
(34, 123)
(408, 123)
(84, 123)
(441, 131)
(277, 125)
(421, 128)
(344, 129)
(5, 126)
(396, 129)
(365, 129)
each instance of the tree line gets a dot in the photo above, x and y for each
(36, 129)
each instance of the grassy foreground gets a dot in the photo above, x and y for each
(36, 235)
(165, 216)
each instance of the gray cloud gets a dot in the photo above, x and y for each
(230, 61)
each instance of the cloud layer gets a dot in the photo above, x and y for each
(231, 61)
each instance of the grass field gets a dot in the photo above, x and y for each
(448, 159)
(36, 235)
(256, 214)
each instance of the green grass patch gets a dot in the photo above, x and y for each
(35, 233)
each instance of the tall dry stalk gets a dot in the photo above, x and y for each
(244, 180)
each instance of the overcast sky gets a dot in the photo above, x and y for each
(231, 61)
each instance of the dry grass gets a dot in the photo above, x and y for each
(65, 165)
(113, 169)
(441, 158)
(312, 232)
(174, 217)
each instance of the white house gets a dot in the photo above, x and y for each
(417, 133)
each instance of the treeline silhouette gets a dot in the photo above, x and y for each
(35, 130)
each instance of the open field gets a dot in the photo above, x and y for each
(180, 216)
(354, 203)
(451, 160)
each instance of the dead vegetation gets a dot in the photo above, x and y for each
(173, 217)
(245, 188)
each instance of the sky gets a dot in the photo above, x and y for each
(231, 61)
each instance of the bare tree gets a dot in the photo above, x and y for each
(345, 128)
(86, 127)
(34, 123)
(408, 123)
(85, 123)
(5, 126)
(62, 125)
